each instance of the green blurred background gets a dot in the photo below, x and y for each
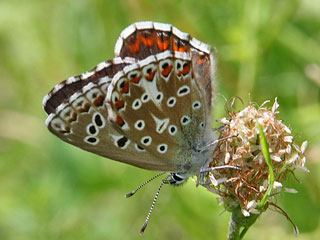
(52, 190)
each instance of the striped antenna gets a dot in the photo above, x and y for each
(152, 206)
(146, 182)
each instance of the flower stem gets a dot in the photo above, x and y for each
(238, 220)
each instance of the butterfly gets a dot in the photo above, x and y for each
(149, 107)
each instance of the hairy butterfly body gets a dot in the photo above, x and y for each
(150, 106)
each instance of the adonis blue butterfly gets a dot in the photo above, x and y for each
(150, 106)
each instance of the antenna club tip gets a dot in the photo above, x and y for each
(143, 228)
(129, 195)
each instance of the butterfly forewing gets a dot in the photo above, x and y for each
(158, 105)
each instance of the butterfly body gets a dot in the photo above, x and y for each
(150, 106)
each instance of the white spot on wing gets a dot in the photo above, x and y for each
(136, 104)
(172, 130)
(171, 101)
(139, 125)
(91, 140)
(185, 120)
(184, 90)
(146, 140)
(161, 124)
(162, 148)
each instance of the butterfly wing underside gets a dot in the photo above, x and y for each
(176, 113)
(158, 105)
(143, 39)
(82, 120)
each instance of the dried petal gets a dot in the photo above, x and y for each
(288, 139)
(277, 185)
(254, 211)
(286, 129)
(304, 146)
(227, 158)
(245, 212)
(275, 105)
(290, 190)
(275, 158)
(252, 204)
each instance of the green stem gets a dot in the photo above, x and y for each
(237, 220)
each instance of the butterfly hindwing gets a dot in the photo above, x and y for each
(143, 39)
(82, 121)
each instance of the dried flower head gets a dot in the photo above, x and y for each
(240, 146)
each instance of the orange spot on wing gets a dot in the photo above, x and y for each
(125, 88)
(134, 46)
(98, 101)
(165, 72)
(201, 59)
(120, 121)
(85, 108)
(136, 79)
(147, 39)
(73, 117)
(175, 45)
(186, 69)
(151, 76)
(184, 48)
(119, 104)
(163, 44)
(180, 46)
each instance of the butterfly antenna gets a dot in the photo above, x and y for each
(152, 206)
(146, 182)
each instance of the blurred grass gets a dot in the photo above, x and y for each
(51, 190)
